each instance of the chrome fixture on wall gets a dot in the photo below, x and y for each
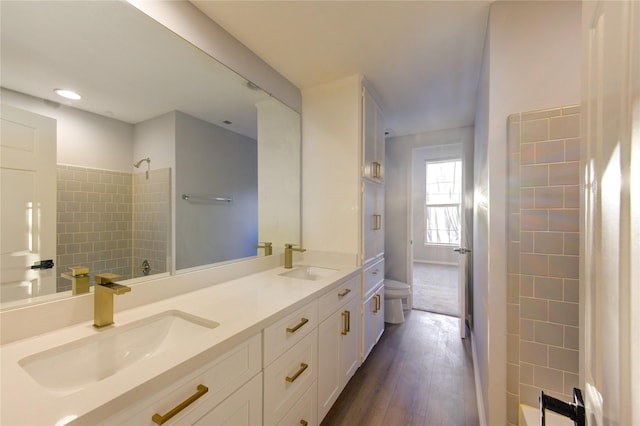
(148, 160)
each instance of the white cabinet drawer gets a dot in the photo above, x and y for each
(288, 331)
(288, 377)
(339, 295)
(305, 411)
(243, 408)
(372, 276)
(221, 378)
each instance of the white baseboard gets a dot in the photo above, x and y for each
(435, 262)
(476, 375)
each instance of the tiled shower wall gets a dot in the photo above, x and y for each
(95, 221)
(151, 227)
(543, 263)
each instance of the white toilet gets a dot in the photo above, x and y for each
(394, 291)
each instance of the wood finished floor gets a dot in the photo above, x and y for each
(420, 373)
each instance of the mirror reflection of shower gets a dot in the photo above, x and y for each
(148, 160)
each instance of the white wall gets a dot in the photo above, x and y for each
(155, 139)
(399, 152)
(330, 166)
(532, 61)
(279, 158)
(83, 138)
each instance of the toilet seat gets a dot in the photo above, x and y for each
(395, 289)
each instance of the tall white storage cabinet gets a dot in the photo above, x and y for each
(343, 187)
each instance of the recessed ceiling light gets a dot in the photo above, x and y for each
(69, 94)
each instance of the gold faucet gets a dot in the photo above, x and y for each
(288, 255)
(79, 277)
(268, 248)
(104, 290)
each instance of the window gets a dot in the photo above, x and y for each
(442, 202)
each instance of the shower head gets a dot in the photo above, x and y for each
(137, 165)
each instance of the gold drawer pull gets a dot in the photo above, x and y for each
(160, 419)
(303, 367)
(377, 305)
(346, 323)
(376, 170)
(303, 422)
(375, 272)
(345, 292)
(303, 321)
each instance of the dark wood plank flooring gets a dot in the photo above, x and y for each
(420, 373)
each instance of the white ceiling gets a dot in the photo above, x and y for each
(422, 57)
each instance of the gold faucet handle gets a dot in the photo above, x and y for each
(291, 247)
(106, 278)
(116, 289)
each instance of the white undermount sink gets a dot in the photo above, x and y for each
(68, 368)
(311, 273)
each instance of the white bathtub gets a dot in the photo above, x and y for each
(530, 416)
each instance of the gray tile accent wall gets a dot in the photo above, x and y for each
(543, 237)
(151, 225)
(95, 221)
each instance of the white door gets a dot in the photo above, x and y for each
(463, 259)
(610, 271)
(28, 200)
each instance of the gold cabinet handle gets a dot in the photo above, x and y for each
(303, 321)
(303, 422)
(377, 306)
(345, 292)
(376, 170)
(375, 272)
(303, 367)
(348, 321)
(160, 419)
(345, 323)
(377, 222)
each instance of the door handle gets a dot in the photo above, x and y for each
(43, 264)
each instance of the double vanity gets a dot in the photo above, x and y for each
(273, 347)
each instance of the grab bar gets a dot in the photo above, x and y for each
(206, 198)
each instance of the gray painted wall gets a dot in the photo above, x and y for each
(211, 160)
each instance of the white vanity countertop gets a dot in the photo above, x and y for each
(243, 307)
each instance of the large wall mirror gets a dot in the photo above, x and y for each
(169, 161)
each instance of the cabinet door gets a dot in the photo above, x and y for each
(372, 139)
(242, 408)
(329, 339)
(379, 314)
(379, 212)
(372, 221)
(369, 306)
(369, 110)
(350, 343)
(369, 222)
(380, 143)
(338, 353)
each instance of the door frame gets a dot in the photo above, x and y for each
(448, 151)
